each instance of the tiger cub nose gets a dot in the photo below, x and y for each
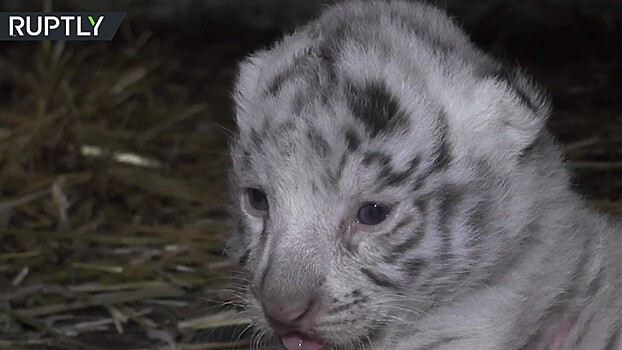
(290, 314)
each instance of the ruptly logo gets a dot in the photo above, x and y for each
(39, 26)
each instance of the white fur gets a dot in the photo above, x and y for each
(508, 249)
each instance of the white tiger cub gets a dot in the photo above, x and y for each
(395, 188)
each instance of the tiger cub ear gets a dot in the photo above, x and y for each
(501, 115)
(246, 87)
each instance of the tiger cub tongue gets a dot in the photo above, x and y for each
(299, 341)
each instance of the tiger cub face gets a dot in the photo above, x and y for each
(373, 170)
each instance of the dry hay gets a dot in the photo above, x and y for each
(112, 207)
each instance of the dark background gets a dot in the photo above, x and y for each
(113, 156)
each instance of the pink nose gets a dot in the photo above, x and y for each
(291, 314)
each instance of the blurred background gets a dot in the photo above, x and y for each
(113, 157)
